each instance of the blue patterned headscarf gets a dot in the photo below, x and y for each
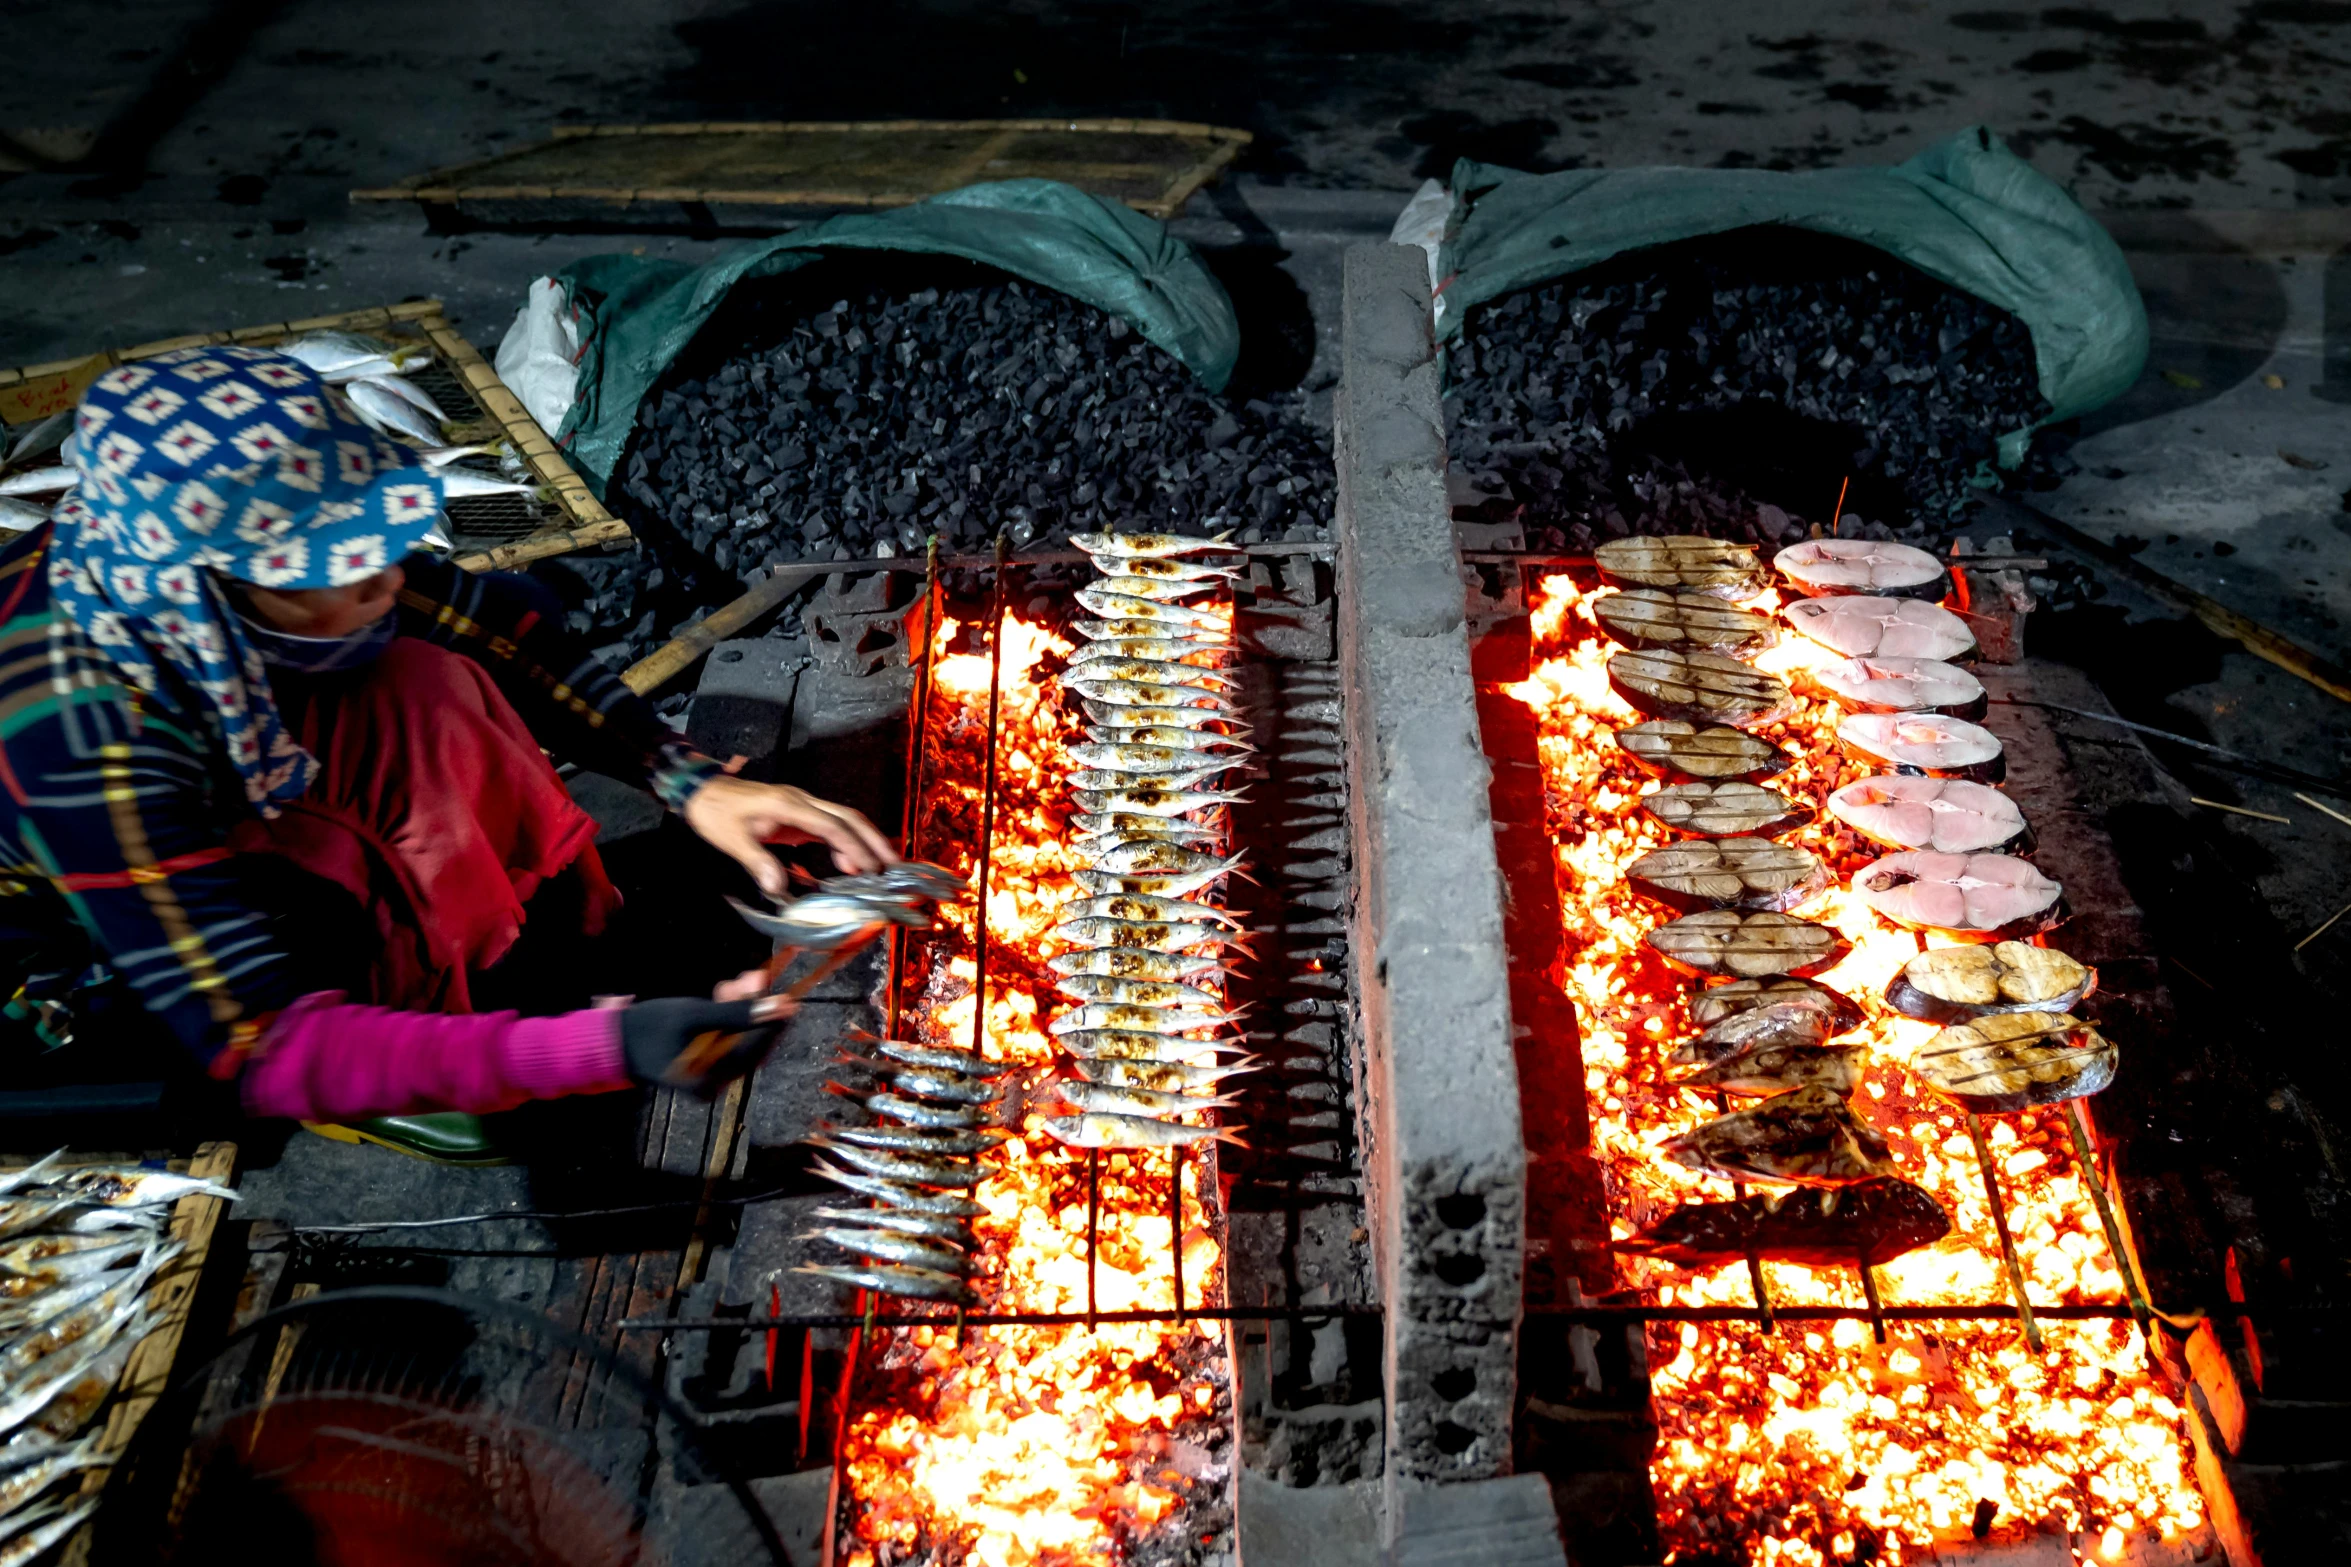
(231, 460)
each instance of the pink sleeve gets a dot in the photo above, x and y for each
(326, 1060)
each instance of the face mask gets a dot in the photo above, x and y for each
(318, 655)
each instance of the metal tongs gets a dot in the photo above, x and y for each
(835, 921)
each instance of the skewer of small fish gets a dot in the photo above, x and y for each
(1145, 981)
(80, 1249)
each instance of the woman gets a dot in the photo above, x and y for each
(226, 704)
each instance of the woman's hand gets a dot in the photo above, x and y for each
(738, 817)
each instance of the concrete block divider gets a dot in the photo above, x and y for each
(1445, 1164)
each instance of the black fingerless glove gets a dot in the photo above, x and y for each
(655, 1035)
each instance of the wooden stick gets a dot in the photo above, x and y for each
(2238, 810)
(2320, 805)
(1983, 1159)
(2323, 929)
(2106, 1218)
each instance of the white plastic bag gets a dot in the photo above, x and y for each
(1422, 223)
(539, 357)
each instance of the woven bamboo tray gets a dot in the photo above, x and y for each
(487, 533)
(590, 171)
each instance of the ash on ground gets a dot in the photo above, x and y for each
(1729, 386)
(856, 407)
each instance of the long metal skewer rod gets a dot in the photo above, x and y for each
(1093, 1228)
(979, 1012)
(2114, 1241)
(1869, 1292)
(1175, 1222)
(917, 774)
(1755, 1280)
(1983, 1159)
(2001, 1311)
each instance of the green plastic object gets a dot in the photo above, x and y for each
(639, 313)
(1966, 211)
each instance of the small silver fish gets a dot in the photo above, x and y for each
(1146, 858)
(1155, 802)
(459, 484)
(932, 1058)
(1091, 780)
(1146, 909)
(1128, 608)
(415, 396)
(1134, 963)
(1107, 1099)
(1148, 672)
(18, 1285)
(916, 1283)
(1136, 1045)
(1119, 757)
(1138, 992)
(390, 413)
(73, 1402)
(52, 480)
(1086, 845)
(1160, 590)
(42, 1468)
(1176, 717)
(1102, 884)
(1141, 693)
(912, 1199)
(1169, 650)
(902, 1167)
(1136, 1018)
(1165, 1076)
(915, 1113)
(937, 1227)
(35, 1252)
(38, 1528)
(1167, 737)
(949, 1086)
(1152, 935)
(116, 1186)
(1133, 1131)
(27, 1359)
(1150, 546)
(32, 1174)
(1169, 569)
(901, 1249)
(918, 1142)
(1135, 824)
(21, 516)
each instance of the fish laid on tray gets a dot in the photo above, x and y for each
(1924, 743)
(2015, 1060)
(1870, 1223)
(1947, 815)
(1868, 627)
(1658, 618)
(1952, 984)
(1806, 1137)
(1977, 897)
(1728, 873)
(1900, 685)
(1819, 568)
(1725, 810)
(1677, 749)
(1700, 687)
(1686, 561)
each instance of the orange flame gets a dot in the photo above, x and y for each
(1805, 1447)
(1051, 1445)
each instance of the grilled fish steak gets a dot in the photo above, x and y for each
(1901, 685)
(1947, 815)
(1819, 568)
(1701, 687)
(1658, 618)
(1978, 897)
(1871, 1223)
(1728, 873)
(1806, 1136)
(1773, 1069)
(1703, 565)
(1924, 743)
(1746, 946)
(1950, 984)
(1782, 1024)
(1725, 810)
(1868, 627)
(2015, 1060)
(1706, 753)
(1719, 1002)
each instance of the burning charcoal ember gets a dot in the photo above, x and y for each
(1697, 565)
(1728, 943)
(2015, 1060)
(1764, 1069)
(1704, 688)
(1728, 873)
(1978, 897)
(791, 431)
(1725, 810)
(1788, 1024)
(1860, 626)
(1819, 568)
(1656, 618)
(1948, 815)
(1685, 389)
(1924, 744)
(1951, 984)
(1718, 1003)
(1900, 685)
(1678, 749)
(1094, 778)
(1806, 1136)
(1871, 1223)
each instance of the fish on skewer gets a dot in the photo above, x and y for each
(1145, 908)
(1176, 884)
(898, 1194)
(1163, 1076)
(1154, 935)
(1806, 1137)
(1747, 946)
(1736, 873)
(2014, 1060)
(1659, 618)
(1167, 650)
(914, 1141)
(1870, 1223)
(1151, 546)
(893, 1247)
(1174, 716)
(915, 1112)
(1725, 810)
(1682, 561)
(1161, 590)
(114, 1186)
(915, 1283)
(1145, 694)
(1168, 568)
(903, 1169)
(1865, 627)
(1096, 780)
(1150, 856)
(1819, 568)
(1135, 963)
(929, 1226)
(1135, 1017)
(1125, 757)
(1699, 687)
(1138, 992)
(1783, 1024)
(949, 1087)
(1167, 737)
(1953, 984)
(1154, 802)
(1125, 607)
(1142, 1045)
(934, 1058)
(1094, 1130)
(1139, 824)
(1149, 672)
(1775, 1068)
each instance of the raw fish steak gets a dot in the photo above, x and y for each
(1948, 815)
(1819, 567)
(1901, 685)
(2015, 1060)
(1808, 1136)
(1924, 743)
(1980, 897)
(1865, 627)
(1951, 984)
(1872, 1224)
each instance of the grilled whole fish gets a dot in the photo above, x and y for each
(915, 1141)
(115, 1186)
(1153, 802)
(1148, 857)
(1699, 687)
(1901, 685)
(1093, 779)
(1728, 873)
(21, 1285)
(1092, 825)
(1162, 649)
(1147, 909)
(1714, 1005)
(1978, 897)
(1132, 1131)
(1167, 568)
(1773, 1069)
(29, 1534)
(1818, 568)
(934, 1058)
(1149, 672)
(1806, 1136)
(1870, 1223)
(1165, 1076)
(914, 1283)
(1925, 743)
(31, 1174)
(1141, 1045)
(1159, 589)
(2015, 1060)
(1675, 748)
(1703, 565)
(1725, 810)
(1122, 758)
(1140, 1019)
(952, 1087)
(35, 1253)
(1747, 946)
(1860, 626)
(1151, 546)
(898, 1194)
(98, 1316)
(1143, 694)
(1169, 737)
(1125, 607)
(903, 1169)
(1105, 1099)
(1659, 618)
(1135, 963)
(1947, 815)
(930, 1226)
(1151, 935)
(915, 1113)
(1102, 884)
(1784, 1024)
(1176, 715)
(887, 1246)
(1138, 992)
(1953, 983)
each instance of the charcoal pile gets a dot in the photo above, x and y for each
(806, 426)
(1727, 387)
